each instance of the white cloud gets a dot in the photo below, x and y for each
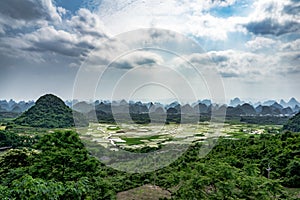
(52, 10)
(244, 66)
(50, 39)
(261, 43)
(270, 46)
(271, 17)
(193, 17)
(214, 28)
(44, 35)
(61, 11)
(87, 23)
(291, 46)
(187, 17)
(273, 9)
(85, 30)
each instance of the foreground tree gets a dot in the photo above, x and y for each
(221, 181)
(58, 168)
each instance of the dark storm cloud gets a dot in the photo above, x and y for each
(122, 65)
(276, 18)
(24, 9)
(16, 11)
(146, 61)
(57, 47)
(19, 16)
(292, 9)
(138, 59)
(131, 63)
(272, 27)
(47, 40)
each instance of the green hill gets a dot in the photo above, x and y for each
(50, 111)
(293, 124)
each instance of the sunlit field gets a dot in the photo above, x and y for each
(137, 136)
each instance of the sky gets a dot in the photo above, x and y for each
(150, 50)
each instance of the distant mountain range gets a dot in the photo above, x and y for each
(17, 107)
(291, 103)
(236, 107)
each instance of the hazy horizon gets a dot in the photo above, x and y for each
(162, 101)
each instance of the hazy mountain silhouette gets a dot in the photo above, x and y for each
(235, 102)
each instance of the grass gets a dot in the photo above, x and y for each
(2, 128)
(137, 141)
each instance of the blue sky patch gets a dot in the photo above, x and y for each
(237, 9)
(72, 6)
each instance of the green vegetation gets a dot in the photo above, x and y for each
(57, 167)
(113, 128)
(177, 118)
(293, 124)
(8, 115)
(139, 140)
(264, 120)
(54, 164)
(200, 135)
(249, 162)
(13, 140)
(50, 112)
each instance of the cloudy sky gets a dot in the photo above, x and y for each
(150, 49)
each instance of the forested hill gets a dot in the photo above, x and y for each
(50, 111)
(293, 124)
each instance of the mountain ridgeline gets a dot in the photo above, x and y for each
(269, 112)
(235, 108)
(50, 111)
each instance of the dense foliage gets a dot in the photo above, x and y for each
(4, 115)
(293, 124)
(58, 166)
(264, 120)
(237, 169)
(50, 111)
(11, 139)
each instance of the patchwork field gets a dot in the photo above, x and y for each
(137, 136)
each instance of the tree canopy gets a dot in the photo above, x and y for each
(293, 124)
(50, 111)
